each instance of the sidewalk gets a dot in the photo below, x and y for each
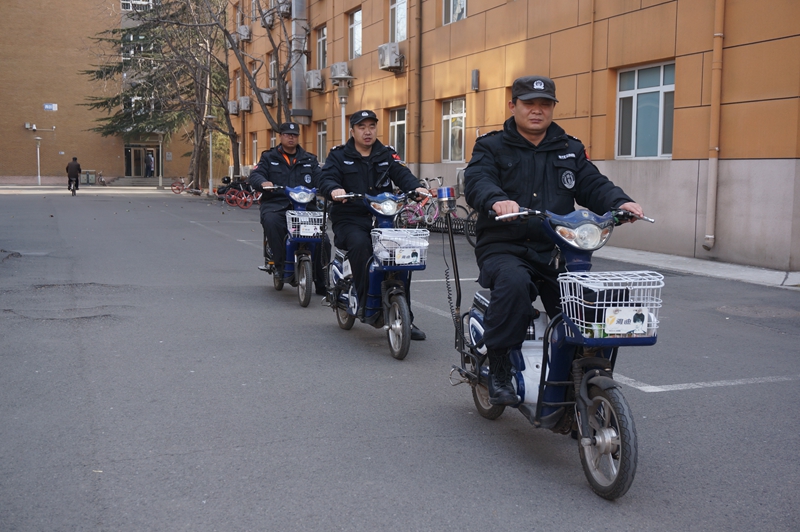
(720, 270)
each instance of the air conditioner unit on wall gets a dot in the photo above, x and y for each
(389, 57)
(285, 8)
(244, 33)
(235, 37)
(268, 20)
(315, 81)
(244, 103)
(268, 95)
(233, 107)
(339, 69)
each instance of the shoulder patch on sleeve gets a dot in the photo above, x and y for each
(490, 133)
(575, 138)
(339, 147)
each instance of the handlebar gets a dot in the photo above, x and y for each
(620, 216)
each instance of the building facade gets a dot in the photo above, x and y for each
(44, 48)
(692, 106)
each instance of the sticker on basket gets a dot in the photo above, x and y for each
(627, 320)
(309, 230)
(406, 256)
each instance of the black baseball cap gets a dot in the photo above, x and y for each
(530, 87)
(360, 116)
(289, 127)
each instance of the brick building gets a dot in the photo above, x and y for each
(690, 105)
(44, 48)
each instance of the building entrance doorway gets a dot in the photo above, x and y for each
(136, 162)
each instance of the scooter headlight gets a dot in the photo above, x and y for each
(585, 236)
(302, 196)
(387, 207)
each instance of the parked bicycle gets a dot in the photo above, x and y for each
(425, 212)
(181, 186)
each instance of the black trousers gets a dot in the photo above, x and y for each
(275, 230)
(515, 283)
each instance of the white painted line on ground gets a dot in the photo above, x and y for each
(413, 281)
(255, 243)
(696, 385)
(434, 310)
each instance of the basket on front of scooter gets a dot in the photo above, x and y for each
(400, 248)
(611, 308)
(304, 224)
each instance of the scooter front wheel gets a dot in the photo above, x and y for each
(610, 461)
(304, 279)
(399, 327)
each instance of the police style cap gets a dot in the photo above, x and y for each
(360, 116)
(530, 87)
(290, 127)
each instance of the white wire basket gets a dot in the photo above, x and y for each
(304, 224)
(400, 247)
(611, 305)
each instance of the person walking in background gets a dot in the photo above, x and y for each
(73, 175)
(149, 164)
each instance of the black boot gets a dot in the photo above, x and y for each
(501, 390)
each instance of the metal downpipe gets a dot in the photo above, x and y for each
(714, 125)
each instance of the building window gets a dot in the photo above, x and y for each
(397, 131)
(454, 113)
(397, 20)
(136, 5)
(237, 77)
(254, 147)
(645, 105)
(273, 70)
(454, 10)
(272, 139)
(322, 140)
(355, 34)
(322, 47)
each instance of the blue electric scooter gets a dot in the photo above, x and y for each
(305, 230)
(563, 371)
(396, 254)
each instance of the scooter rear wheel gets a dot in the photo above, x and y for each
(480, 396)
(277, 280)
(399, 323)
(304, 279)
(344, 319)
(610, 463)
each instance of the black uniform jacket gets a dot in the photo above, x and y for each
(273, 167)
(345, 168)
(552, 176)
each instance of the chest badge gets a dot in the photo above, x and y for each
(568, 179)
(307, 178)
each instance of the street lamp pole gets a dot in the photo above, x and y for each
(209, 122)
(343, 91)
(38, 161)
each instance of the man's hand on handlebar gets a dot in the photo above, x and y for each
(506, 207)
(335, 193)
(422, 192)
(265, 185)
(635, 208)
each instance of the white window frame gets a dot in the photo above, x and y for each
(322, 141)
(272, 71)
(398, 20)
(454, 10)
(397, 129)
(450, 119)
(354, 34)
(627, 148)
(273, 139)
(254, 147)
(322, 47)
(136, 5)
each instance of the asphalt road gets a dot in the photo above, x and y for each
(152, 379)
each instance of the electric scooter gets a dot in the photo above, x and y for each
(396, 254)
(563, 371)
(305, 232)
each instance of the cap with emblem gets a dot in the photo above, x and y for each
(530, 87)
(289, 127)
(360, 116)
